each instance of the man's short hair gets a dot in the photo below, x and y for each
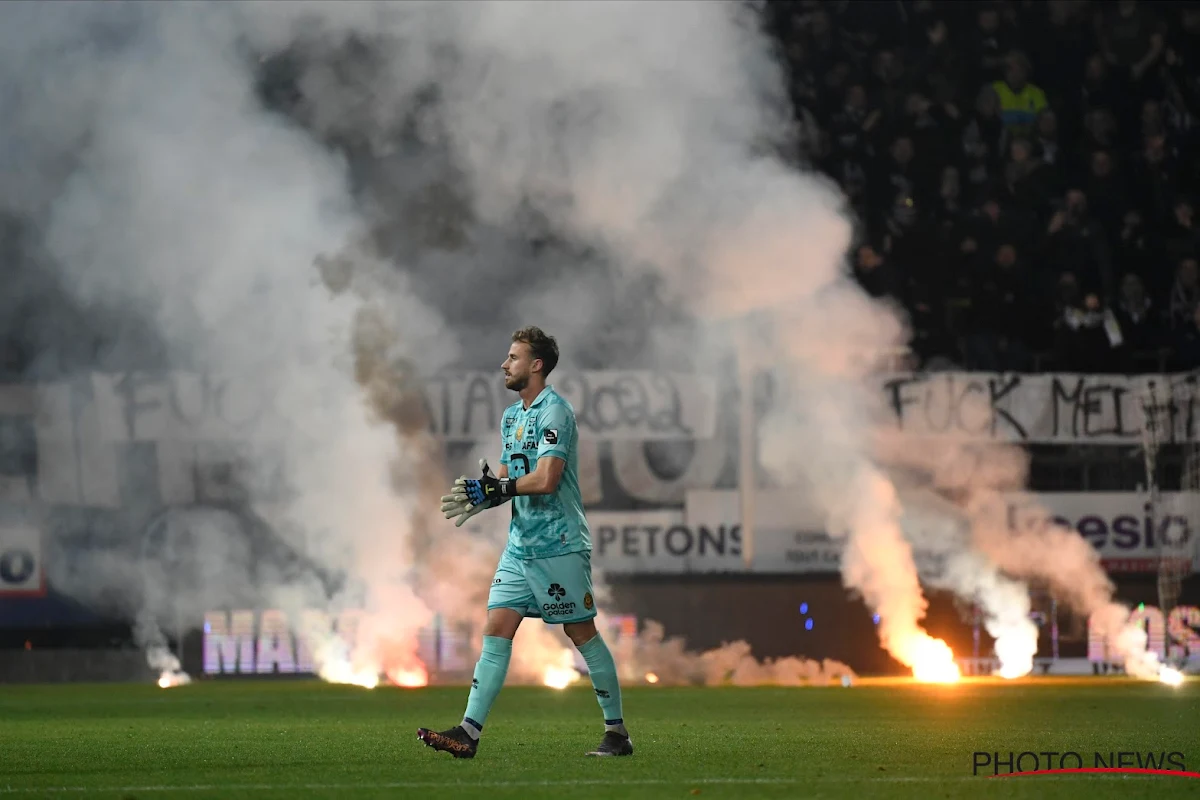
(542, 345)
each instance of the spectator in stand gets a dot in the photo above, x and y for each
(1046, 136)
(1137, 317)
(1181, 235)
(1101, 89)
(1107, 197)
(1077, 244)
(1185, 294)
(1090, 338)
(1020, 100)
(1028, 182)
(983, 142)
(958, 156)
(993, 38)
(875, 273)
(1187, 350)
(1152, 183)
(1133, 253)
(1131, 38)
(998, 307)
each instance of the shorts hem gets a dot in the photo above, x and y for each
(573, 620)
(520, 609)
(543, 555)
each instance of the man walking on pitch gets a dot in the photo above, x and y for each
(546, 568)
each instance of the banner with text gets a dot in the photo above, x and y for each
(1048, 408)
(790, 536)
(643, 406)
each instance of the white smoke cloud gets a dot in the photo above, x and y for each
(642, 132)
(164, 190)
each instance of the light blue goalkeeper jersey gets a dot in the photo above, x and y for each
(544, 525)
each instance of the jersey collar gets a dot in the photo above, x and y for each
(541, 398)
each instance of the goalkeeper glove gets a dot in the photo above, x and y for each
(470, 496)
(488, 489)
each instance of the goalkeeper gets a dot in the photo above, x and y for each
(546, 568)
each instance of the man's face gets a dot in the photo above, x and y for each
(856, 97)
(1006, 255)
(1015, 74)
(518, 367)
(1188, 273)
(1047, 124)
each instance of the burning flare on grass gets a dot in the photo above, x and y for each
(412, 678)
(562, 674)
(171, 679)
(1169, 676)
(932, 660)
(345, 672)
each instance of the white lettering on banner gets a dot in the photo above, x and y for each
(1173, 638)
(661, 542)
(193, 419)
(1087, 409)
(642, 406)
(790, 535)
(1120, 525)
(22, 571)
(246, 642)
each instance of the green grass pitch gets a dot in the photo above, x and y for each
(265, 740)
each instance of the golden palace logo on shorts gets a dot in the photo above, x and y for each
(587, 600)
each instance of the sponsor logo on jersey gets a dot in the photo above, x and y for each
(558, 609)
(557, 592)
(551, 436)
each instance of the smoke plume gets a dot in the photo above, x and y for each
(521, 157)
(162, 191)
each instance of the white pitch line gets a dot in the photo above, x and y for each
(257, 787)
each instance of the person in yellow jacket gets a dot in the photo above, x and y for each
(1020, 100)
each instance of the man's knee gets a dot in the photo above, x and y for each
(580, 632)
(502, 623)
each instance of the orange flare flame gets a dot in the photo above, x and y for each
(413, 678)
(933, 662)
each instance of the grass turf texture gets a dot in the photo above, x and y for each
(265, 740)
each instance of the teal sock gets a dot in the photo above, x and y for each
(490, 672)
(603, 672)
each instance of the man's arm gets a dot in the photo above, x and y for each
(544, 479)
(556, 437)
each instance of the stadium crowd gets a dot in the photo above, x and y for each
(1024, 172)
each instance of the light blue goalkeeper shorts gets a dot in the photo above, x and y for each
(557, 589)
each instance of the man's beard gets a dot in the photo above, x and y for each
(515, 383)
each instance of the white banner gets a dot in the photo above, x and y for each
(1049, 408)
(707, 537)
(662, 542)
(21, 568)
(790, 537)
(1120, 525)
(608, 404)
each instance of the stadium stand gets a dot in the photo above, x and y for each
(1024, 172)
